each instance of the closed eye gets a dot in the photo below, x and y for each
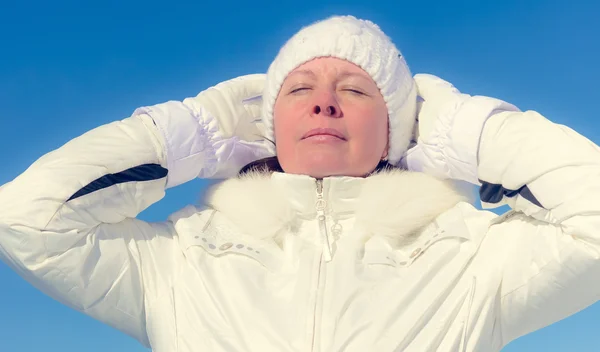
(355, 91)
(297, 90)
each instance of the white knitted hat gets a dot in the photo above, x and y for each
(365, 45)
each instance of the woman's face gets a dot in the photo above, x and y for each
(330, 119)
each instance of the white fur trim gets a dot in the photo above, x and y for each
(394, 204)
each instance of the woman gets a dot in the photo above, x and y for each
(332, 245)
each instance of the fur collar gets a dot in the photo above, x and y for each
(395, 204)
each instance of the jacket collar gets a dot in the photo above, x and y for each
(393, 203)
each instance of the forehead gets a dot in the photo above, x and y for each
(329, 65)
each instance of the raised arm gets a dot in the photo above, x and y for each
(547, 248)
(67, 224)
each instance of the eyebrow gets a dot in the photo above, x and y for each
(346, 74)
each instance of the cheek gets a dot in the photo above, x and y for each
(370, 124)
(285, 118)
(279, 122)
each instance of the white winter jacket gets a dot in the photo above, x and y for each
(397, 261)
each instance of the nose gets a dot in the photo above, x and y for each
(329, 110)
(327, 106)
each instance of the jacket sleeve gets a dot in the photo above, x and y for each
(550, 177)
(67, 224)
(545, 252)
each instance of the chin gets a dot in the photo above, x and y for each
(322, 174)
(320, 165)
(316, 170)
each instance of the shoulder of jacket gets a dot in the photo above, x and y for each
(191, 217)
(468, 220)
(205, 222)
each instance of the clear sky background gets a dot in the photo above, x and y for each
(67, 67)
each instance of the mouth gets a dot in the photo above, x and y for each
(324, 132)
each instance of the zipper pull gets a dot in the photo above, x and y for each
(321, 204)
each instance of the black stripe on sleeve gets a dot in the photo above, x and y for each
(493, 193)
(146, 172)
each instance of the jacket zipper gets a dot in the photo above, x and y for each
(326, 254)
(321, 204)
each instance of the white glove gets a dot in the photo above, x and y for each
(449, 128)
(232, 112)
(214, 134)
(436, 97)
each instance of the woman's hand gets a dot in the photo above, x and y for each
(214, 134)
(448, 130)
(232, 112)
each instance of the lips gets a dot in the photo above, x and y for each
(324, 131)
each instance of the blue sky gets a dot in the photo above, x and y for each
(66, 67)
